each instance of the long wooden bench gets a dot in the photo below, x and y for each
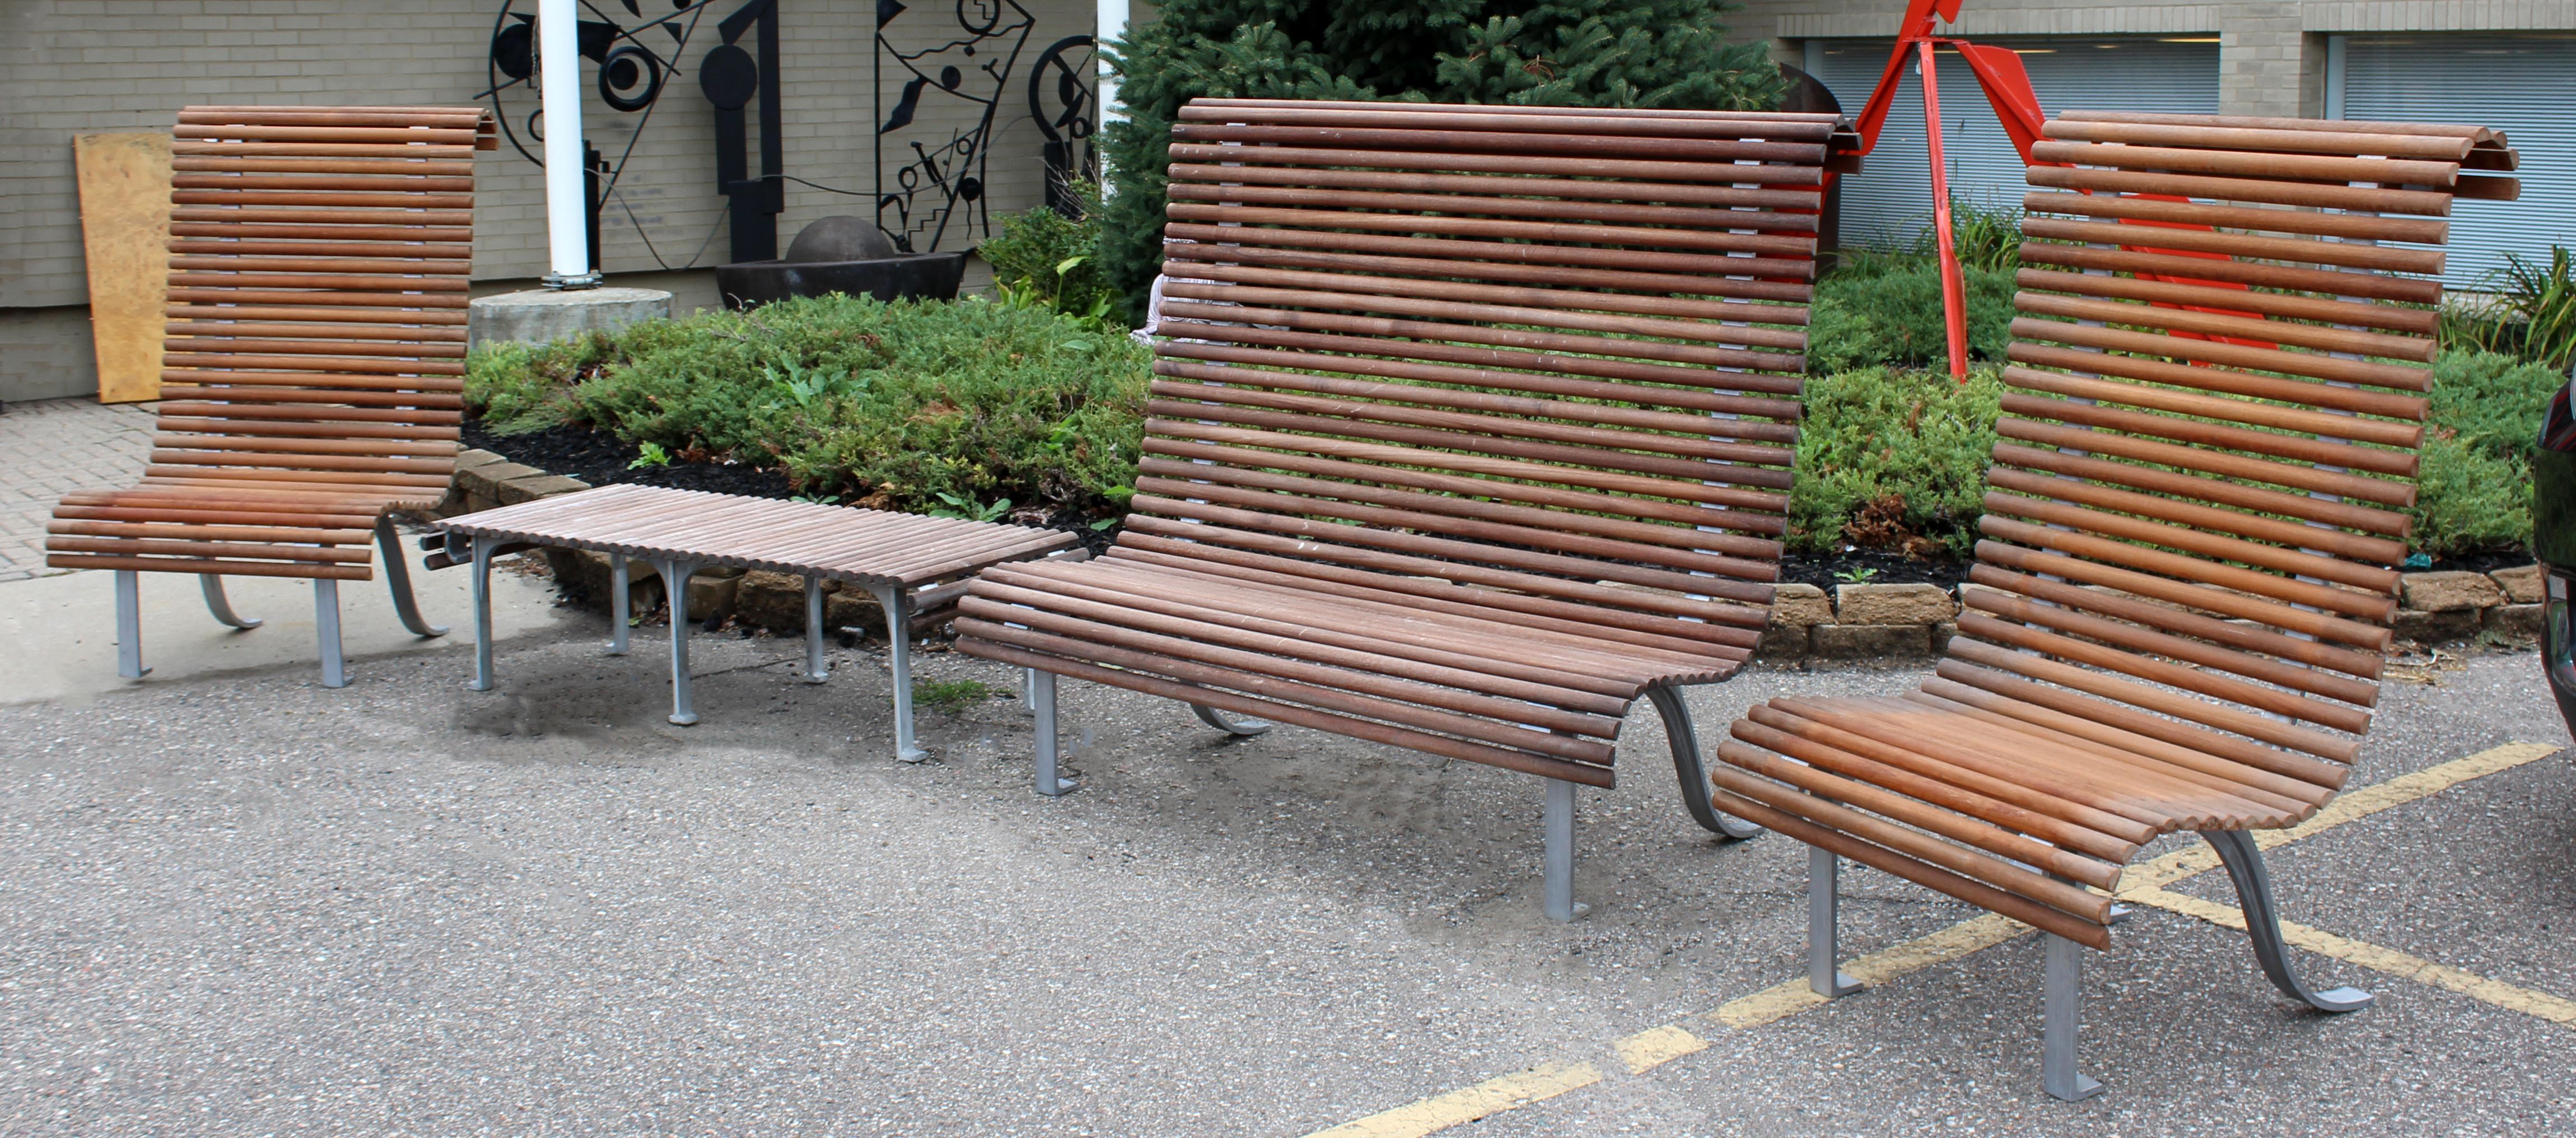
(315, 360)
(1472, 425)
(2181, 603)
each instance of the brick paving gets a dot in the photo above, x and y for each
(49, 446)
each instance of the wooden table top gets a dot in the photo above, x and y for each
(874, 547)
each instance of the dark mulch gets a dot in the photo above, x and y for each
(1869, 566)
(602, 459)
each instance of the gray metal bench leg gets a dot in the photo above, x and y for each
(1824, 926)
(1558, 821)
(2062, 988)
(1229, 722)
(675, 586)
(2244, 862)
(129, 625)
(220, 605)
(398, 581)
(898, 614)
(326, 628)
(816, 670)
(1050, 779)
(621, 604)
(480, 580)
(1690, 768)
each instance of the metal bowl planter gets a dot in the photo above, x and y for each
(845, 255)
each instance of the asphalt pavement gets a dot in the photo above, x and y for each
(236, 903)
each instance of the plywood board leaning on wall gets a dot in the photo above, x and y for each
(125, 230)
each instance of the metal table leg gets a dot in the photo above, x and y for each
(675, 585)
(898, 614)
(481, 579)
(816, 670)
(621, 604)
(1558, 821)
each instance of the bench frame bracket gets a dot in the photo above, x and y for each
(1229, 722)
(1690, 768)
(222, 606)
(2244, 861)
(398, 581)
(2061, 993)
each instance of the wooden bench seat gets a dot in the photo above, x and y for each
(313, 374)
(1470, 426)
(2180, 605)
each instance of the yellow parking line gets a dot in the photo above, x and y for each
(1780, 1001)
(2378, 959)
(1657, 1046)
(2142, 883)
(1493, 1096)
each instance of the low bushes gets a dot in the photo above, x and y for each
(1884, 309)
(1895, 459)
(912, 405)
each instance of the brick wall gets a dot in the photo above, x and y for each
(78, 66)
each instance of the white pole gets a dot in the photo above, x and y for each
(567, 196)
(1109, 22)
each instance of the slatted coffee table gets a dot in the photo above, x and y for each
(902, 558)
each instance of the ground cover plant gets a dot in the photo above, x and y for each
(909, 405)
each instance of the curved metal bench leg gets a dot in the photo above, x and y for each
(221, 605)
(129, 625)
(1690, 769)
(2244, 862)
(398, 580)
(1229, 722)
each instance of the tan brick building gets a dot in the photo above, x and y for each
(72, 67)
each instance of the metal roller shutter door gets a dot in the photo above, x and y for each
(2522, 84)
(1890, 202)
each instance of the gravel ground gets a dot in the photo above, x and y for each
(253, 906)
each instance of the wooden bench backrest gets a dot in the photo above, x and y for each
(1551, 352)
(2195, 513)
(318, 260)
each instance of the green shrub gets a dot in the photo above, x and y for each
(1885, 310)
(901, 404)
(517, 388)
(1895, 459)
(1579, 53)
(2474, 487)
(1053, 261)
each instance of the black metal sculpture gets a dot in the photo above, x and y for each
(932, 197)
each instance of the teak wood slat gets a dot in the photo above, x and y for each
(2179, 615)
(294, 299)
(1472, 425)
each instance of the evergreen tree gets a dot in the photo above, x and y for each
(1576, 53)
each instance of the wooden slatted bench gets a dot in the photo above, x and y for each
(906, 560)
(2181, 603)
(1472, 425)
(315, 359)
